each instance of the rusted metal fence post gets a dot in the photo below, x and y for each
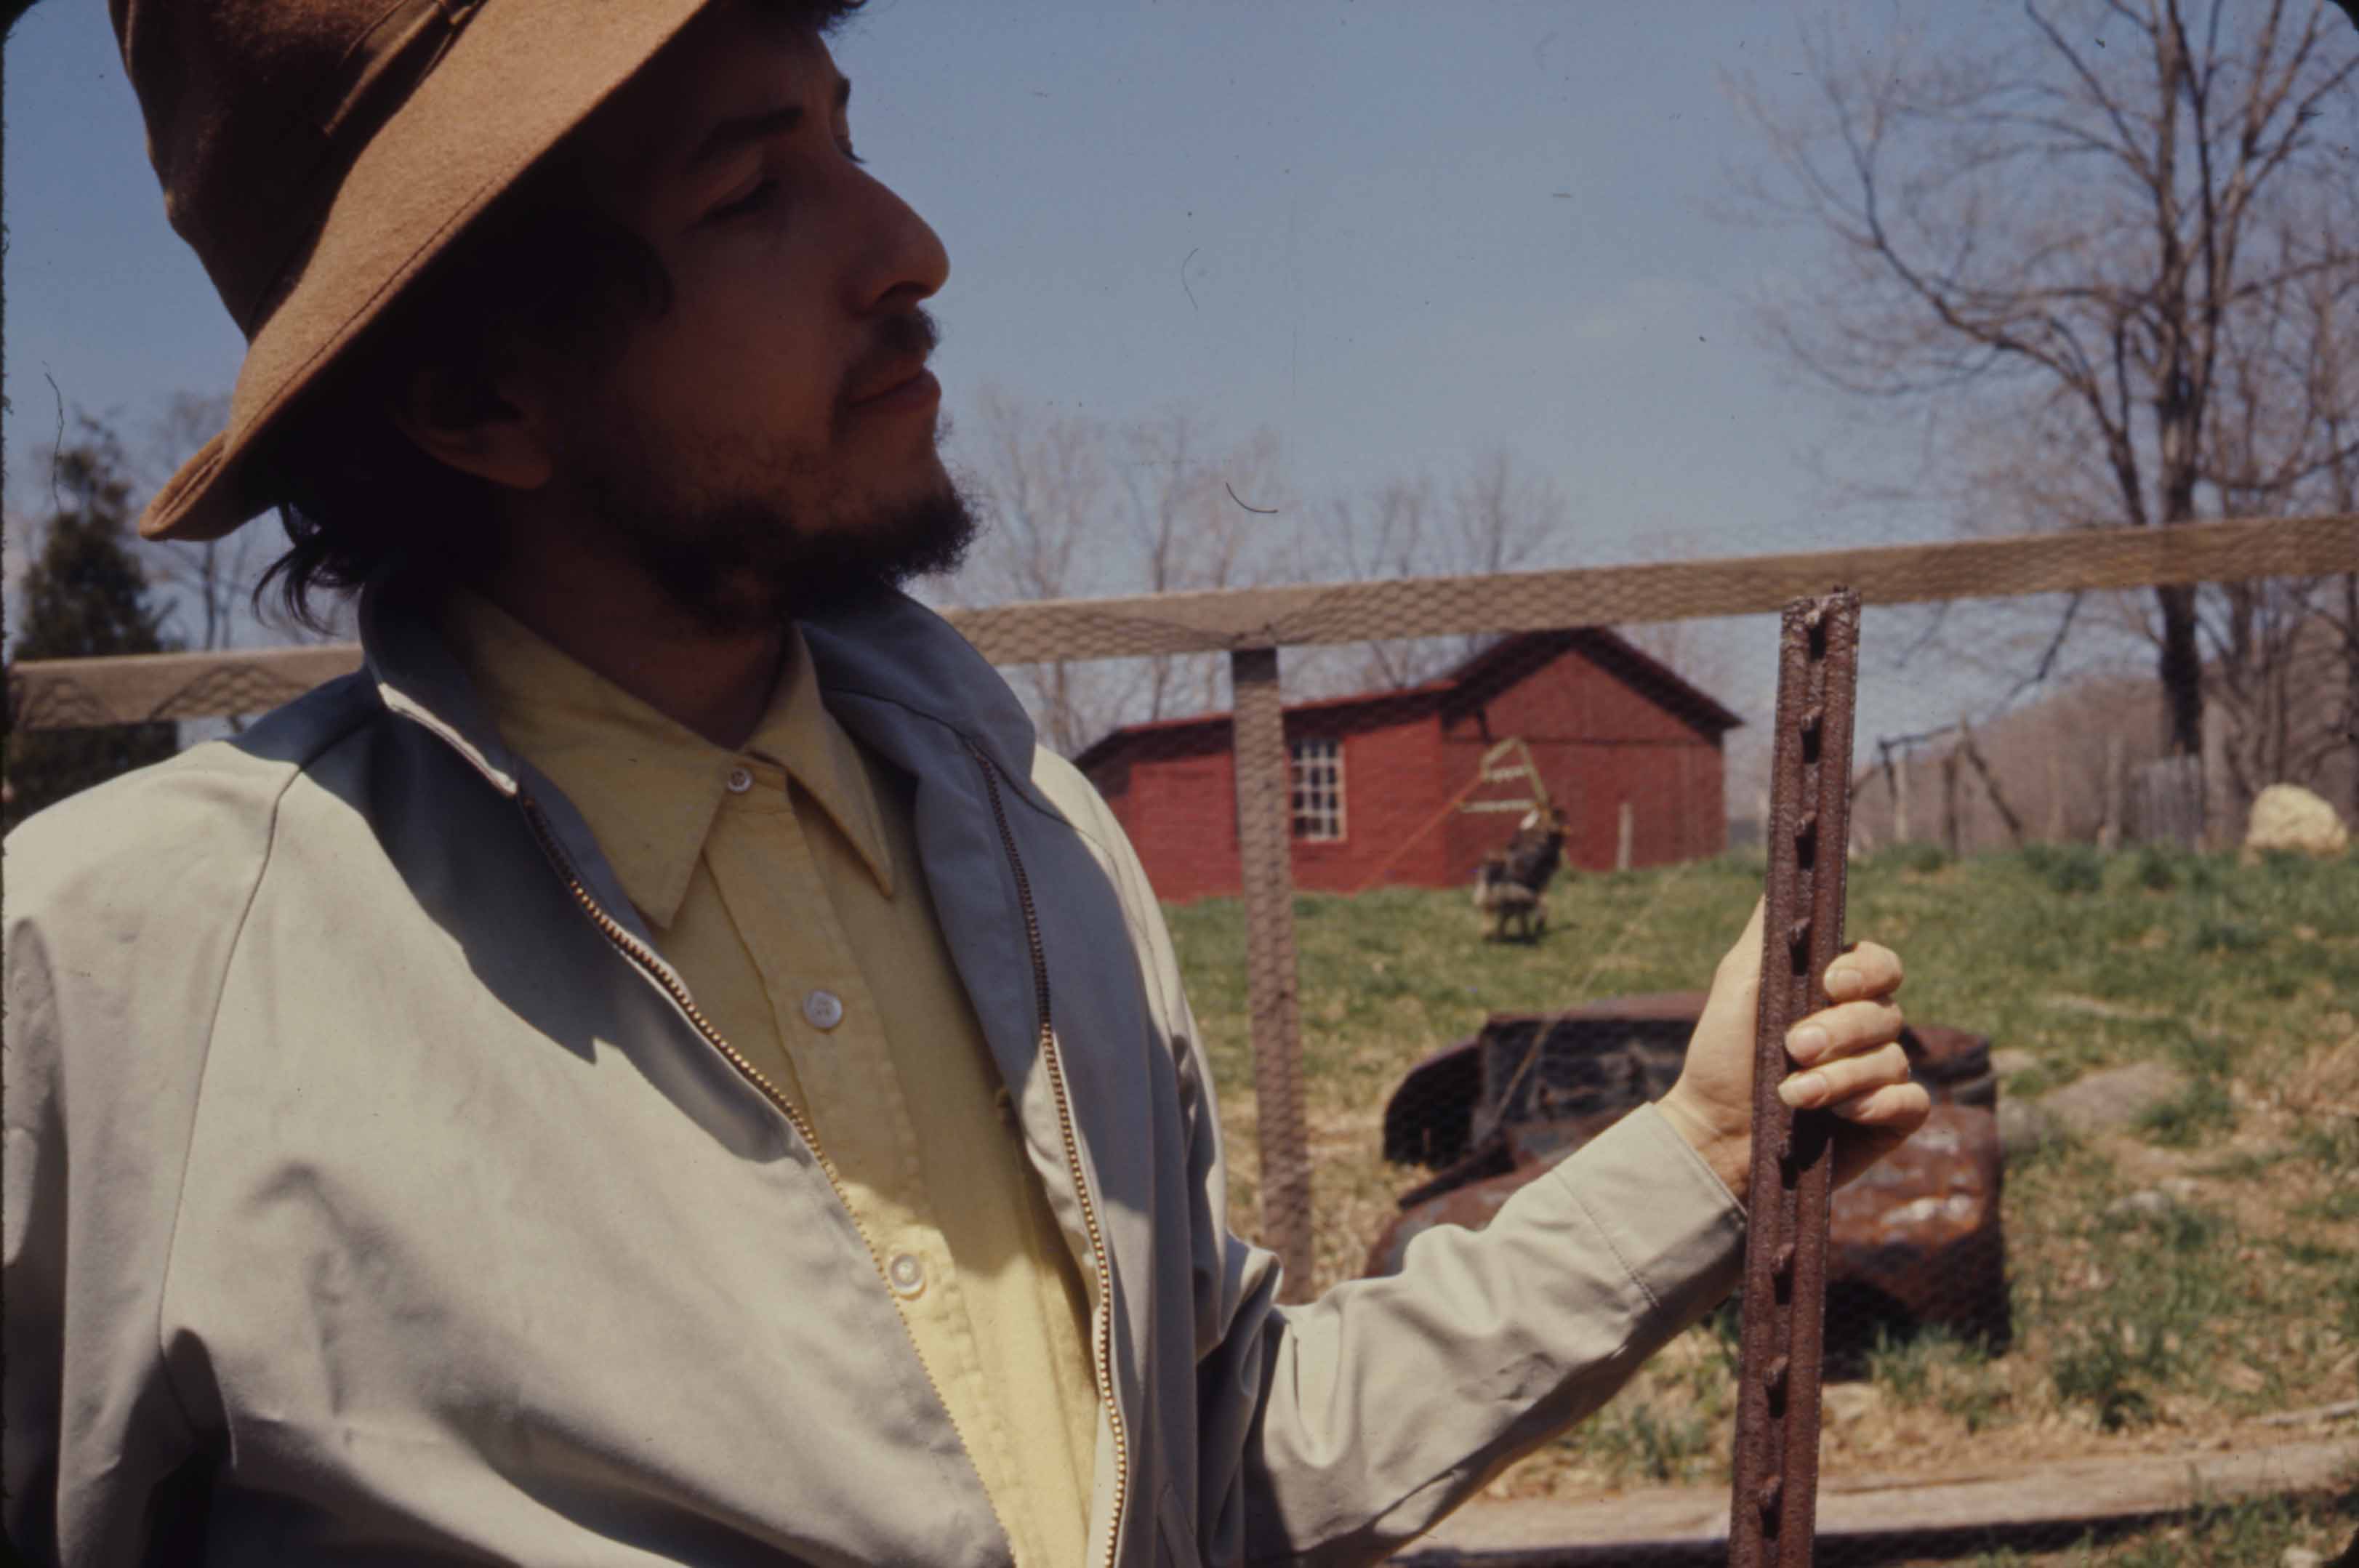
(1774, 1511)
(1265, 843)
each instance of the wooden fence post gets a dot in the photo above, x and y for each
(1952, 829)
(1900, 833)
(2113, 831)
(1265, 843)
(1624, 831)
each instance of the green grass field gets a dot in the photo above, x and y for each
(2133, 1331)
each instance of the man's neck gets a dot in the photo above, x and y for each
(622, 627)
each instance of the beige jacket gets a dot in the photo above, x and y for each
(374, 1194)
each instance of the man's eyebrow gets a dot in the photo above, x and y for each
(732, 133)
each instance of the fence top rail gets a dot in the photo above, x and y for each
(65, 694)
(1219, 619)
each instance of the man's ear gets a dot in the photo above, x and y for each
(476, 426)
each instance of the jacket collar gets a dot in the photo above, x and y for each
(891, 649)
(896, 652)
(418, 675)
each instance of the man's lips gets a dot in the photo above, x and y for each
(905, 388)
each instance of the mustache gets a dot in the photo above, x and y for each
(912, 334)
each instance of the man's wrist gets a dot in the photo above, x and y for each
(1729, 1154)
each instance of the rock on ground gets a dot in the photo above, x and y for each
(2286, 816)
(2159, 1201)
(2113, 1098)
(2096, 1103)
(2022, 1127)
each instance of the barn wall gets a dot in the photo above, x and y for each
(1597, 742)
(1175, 795)
(1178, 803)
(1391, 788)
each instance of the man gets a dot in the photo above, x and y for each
(659, 1067)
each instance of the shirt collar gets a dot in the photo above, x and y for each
(648, 786)
(799, 735)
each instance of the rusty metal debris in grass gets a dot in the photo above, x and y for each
(1916, 1242)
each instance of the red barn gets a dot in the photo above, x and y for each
(1375, 775)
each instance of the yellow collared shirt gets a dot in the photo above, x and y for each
(782, 881)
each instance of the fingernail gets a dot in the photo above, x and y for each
(1807, 1043)
(1842, 977)
(1803, 1090)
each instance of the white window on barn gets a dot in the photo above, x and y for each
(1318, 788)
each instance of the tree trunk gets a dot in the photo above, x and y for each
(1952, 831)
(1990, 784)
(2109, 832)
(2351, 678)
(2181, 671)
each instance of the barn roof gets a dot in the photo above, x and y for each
(1493, 670)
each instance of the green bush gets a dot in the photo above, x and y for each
(2156, 868)
(1636, 1443)
(1917, 855)
(2334, 1143)
(2067, 869)
(2103, 1370)
(2289, 867)
(2215, 934)
(1901, 1365)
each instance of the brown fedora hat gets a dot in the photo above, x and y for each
(319, 154)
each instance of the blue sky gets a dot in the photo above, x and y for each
(1395, 234)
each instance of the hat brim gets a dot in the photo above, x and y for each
(519, 77)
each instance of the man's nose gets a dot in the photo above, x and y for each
(902, 260)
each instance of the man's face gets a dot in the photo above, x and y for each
(767, 445)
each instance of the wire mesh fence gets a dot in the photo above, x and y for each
(1439, 936)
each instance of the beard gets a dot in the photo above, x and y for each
(737, 557)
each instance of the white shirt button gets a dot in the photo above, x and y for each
(908, 1275)
(824, 1009)
(740, 780)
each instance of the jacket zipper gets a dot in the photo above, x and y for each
(1102, 1334)
(632, 948)
(635, 950)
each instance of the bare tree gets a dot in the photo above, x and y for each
(2282, 440)
(209, 584)
(1075, 510)
(2069, 237)
(1497, 516)
(1708, 655)
(1041, 479)
(1388, 532)
(205, 580)
(1199, 517)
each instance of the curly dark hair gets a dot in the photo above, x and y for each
(542, 265)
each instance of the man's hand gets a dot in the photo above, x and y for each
(1847, 1057)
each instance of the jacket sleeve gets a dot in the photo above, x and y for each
(108, 990)
(1357, 1422)
(1336, 1430)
